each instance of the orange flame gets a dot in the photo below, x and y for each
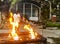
(14, 26)
(11, 15)
(32, 34)
(14, 35)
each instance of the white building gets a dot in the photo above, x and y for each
(29, 8)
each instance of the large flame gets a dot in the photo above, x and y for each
(14, 35)
(32, 34)
(14, 26)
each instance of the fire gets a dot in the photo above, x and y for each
(14, 35)
(11, 15)
(14, 26)
(32, 34)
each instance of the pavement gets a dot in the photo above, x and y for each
(48, 32)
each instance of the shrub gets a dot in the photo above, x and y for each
(52, 24)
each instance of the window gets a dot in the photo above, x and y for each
(34, 11)
(20, 7)
(28, 9)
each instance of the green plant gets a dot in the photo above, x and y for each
(52, 24)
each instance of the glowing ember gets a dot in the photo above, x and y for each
(14, 26)
(21, 39)
(16, 38)
(32, 34)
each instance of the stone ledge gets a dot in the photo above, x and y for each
(52, 28)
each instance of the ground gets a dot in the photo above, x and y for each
(52, 35)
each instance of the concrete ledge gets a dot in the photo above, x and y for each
(52, 28)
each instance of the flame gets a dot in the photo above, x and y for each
(11, 15)
(14, 26)
(32, 34)
(13, 33)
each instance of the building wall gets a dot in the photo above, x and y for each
(29, 9)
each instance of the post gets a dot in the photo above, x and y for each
(58, 7)
(31, 10)
(50, 11)
(39, 16)
(0, 17)
(16, 6)
(23, 8)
